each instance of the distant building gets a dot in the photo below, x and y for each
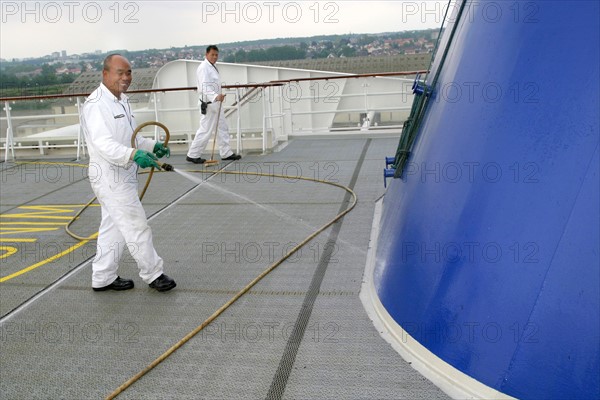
(62, 71)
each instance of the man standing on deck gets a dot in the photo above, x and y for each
(108, 125)
(211, 100)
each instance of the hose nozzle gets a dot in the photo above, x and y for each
(166, 167)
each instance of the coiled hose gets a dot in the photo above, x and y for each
(142, 193)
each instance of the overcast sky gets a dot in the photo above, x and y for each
(38, 28)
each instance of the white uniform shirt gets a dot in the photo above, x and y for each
(209, 82)
(108, 126)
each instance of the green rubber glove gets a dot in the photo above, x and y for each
(145, 159)
(161, 150)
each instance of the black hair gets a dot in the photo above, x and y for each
(211, 47)
(107, 60)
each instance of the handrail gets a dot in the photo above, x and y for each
(328, 78)
(241, 101)
(250, 85)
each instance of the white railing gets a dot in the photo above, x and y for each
(263, 114)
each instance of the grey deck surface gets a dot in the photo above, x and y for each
(300, 333)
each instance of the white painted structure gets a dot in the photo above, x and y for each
(284, 102)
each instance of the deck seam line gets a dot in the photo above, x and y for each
(288, 358)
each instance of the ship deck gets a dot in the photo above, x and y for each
(301, 332)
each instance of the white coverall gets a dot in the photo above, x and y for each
(108, 125)
(209, 87)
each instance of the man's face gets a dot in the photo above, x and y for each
(118, 78)
(212, 56)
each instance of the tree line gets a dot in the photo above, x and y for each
(270, 54)
(13, 83)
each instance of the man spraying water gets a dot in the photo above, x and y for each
(108, 125)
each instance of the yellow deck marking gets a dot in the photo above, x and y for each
(47, 260)
(63, 206)
(10, 231)
(32, 223)
(43, 212)
(32, 216)
(53, 163)
(36, 212)
(53, 208)
(9, 251)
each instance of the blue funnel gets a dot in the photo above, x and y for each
(488, 251)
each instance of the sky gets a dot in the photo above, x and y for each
(39, 28)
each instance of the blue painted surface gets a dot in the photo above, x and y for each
(488, 251)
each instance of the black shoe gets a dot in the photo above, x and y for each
(163, 283)
(232, 157)
(118, 284)
(198, 160)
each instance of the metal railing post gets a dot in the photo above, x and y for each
(155, 115)
(238, 142)
(366, 123)
(80, 137)
(270, 114)
(282, 121)
(288, 122)
(264, 124)
(9, 133)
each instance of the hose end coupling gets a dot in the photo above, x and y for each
(167, 167)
